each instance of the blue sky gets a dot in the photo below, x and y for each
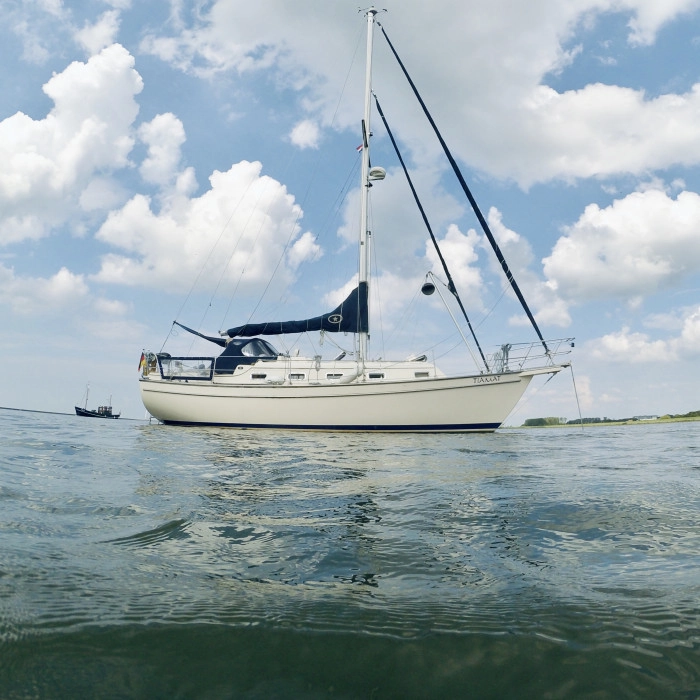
(161, 160)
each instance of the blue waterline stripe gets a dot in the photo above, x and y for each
(448, 427)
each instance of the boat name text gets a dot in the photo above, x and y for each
(487, 380)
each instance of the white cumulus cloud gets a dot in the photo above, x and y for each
(305, 134)
(548, 308)
(461, 252)
(527, 130)
(95, 37)
(29, 295)
(48, 163)
(163, 135)
(234, 234)
(638, 348)
(636, 246)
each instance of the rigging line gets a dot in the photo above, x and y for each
(226, 225)
(578, 405)
(254, 247)
(235, 247)
(342, 194)
(339, 199)
(233, 252)
(335, 209)
(449, 350)
(451, 284)
(470, 197)
(292, 232)
(532, 393)
(286, 246)
(277, 266)
(358, 43)
(211, 252)
(485, 317)
(329, 339)
(408, 310)
(305, 196)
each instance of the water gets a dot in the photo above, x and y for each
(142, 561)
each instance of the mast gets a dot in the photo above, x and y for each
(365, 234)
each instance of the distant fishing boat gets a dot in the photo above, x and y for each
(101, 412)
(252, 385)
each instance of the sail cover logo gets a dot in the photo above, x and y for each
(335, 318)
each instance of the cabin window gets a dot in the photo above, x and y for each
(422, 375)
(376, 375)
(257, 348)
(258, 376)
(336, 375)
(297, 376)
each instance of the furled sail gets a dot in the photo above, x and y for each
(350, 316)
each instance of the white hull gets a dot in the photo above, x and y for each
(438, 404)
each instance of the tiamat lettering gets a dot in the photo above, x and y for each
(487, 380)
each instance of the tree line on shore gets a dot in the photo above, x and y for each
(554, 420)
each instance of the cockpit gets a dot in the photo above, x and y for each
(244, 351)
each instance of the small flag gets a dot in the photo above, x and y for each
(359, 148)
(142, 362)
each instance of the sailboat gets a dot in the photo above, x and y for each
(101, 412)
(251, 385)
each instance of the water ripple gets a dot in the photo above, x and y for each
(565, 558)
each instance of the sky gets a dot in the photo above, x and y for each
(197, 161)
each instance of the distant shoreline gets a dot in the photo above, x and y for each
(629, 421)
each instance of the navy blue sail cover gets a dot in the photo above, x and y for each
(351, 317)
